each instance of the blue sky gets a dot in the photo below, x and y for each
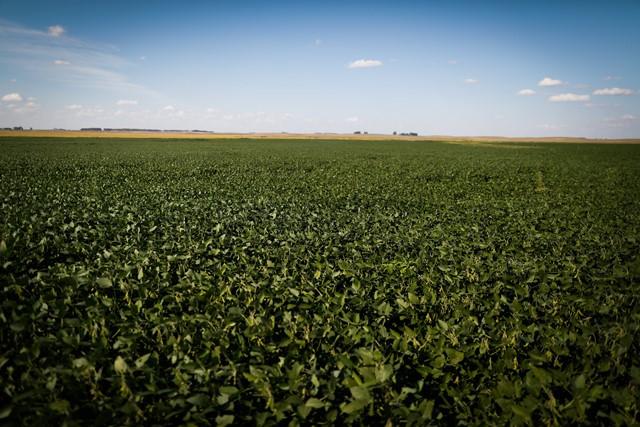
(456, 67)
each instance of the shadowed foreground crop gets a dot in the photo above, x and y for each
(308, 282)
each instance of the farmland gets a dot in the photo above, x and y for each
(218, 282)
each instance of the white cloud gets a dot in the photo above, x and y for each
(365, 63)
(526, 92)
(169, 108)
(569, 97)
(74, 107)
(12, 97)
(127, 102)
(609, 78)
(471, 81)
(548, 81)
(61, 62)
(353, 119)
(613, 91)
(56, 30)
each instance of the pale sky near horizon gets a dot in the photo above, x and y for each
(525, 68)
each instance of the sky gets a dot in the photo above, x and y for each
(509, 68)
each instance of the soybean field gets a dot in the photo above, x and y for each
(318, 282)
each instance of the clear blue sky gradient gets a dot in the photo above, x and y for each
(451, 67)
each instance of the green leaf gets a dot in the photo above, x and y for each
(354, 406)
(5, 411)
(427, 409)
(80, 363)
(228, 390)
(103, 282)
(199, 400)
(120, 365)
(543, 375)
(294, 292)
(142, 360)
(520, 412)
(224, 420)
(61, 406)
(413, 298)
(383, 373)
(580, 382)
(361, 393)
(313, 402)
(455, 356)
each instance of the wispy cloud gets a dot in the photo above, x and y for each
(56, 30)
(365, 63)
(569, 97)
(550, 126)
(613, 91)
(526, 92)
(54, 56)
(353, 119)
(610, 78)
(471, 81)
(27, 107)
(12, 97)
(548, 81)
(122, 102)
(88, 112)
(622, 121)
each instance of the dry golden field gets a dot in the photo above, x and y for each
(323, 136)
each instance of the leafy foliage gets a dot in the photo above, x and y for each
(308, 282)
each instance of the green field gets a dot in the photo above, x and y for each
(309, 282)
